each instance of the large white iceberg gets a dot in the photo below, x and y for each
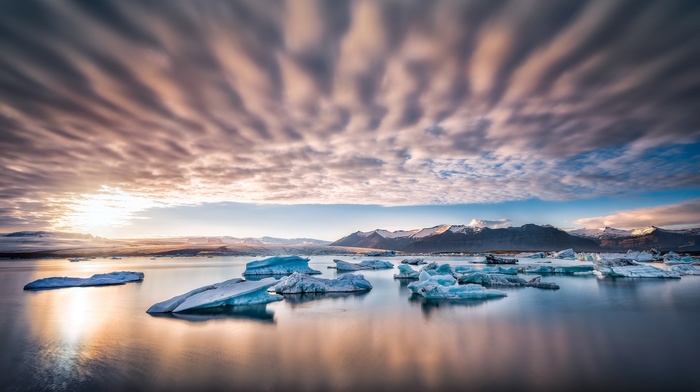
(297, 283)
(229, 293)
(406, 272)
(279, 265)
(108, 279)
(341, 265)
(439, 287)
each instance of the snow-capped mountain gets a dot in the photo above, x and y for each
(643, 238)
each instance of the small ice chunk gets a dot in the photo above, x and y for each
(297, 283)
(228, 293)
(565, 254)
(108, 279)
(491, 259)
(406, 272)
(537, 282)
(279, 265)
(413, 261)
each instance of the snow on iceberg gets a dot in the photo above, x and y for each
(297, 283)
(437, 287)
(406, 272)
(279, 265)
(341, 265)
(565, 254)
(232, 292)
(108, 279)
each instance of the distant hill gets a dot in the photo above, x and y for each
(460, 238)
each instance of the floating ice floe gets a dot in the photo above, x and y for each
(229, 293)
(435, 269)
(491, 259)
(388, 253)
(587, 256)
(537, 282)
(413, 261)
(341, 265)
(568, 254)
(439, 287)
(108, 279)
(297, 283)
(641, 256)
(561, 270)
(636, 271)
(461, 269)
(538, 255)
(406, 272)
(279, 265)
(675, 258)
(685, 269)
(485, 279)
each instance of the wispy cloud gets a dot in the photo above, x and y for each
(686, 213)
(387, 102)
(492, 224)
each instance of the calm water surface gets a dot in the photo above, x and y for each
(622, 334)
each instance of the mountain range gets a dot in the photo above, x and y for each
(529, 237)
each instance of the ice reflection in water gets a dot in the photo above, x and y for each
(597, 334)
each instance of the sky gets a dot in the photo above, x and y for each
(314, 119)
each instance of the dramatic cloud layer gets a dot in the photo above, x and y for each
(676, 214)
(387, 102)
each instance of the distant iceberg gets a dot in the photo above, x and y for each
(537, 282)
(279, 265)
(538, 255)
(406, 272)
(461, 269)
(108, 279)
(491, 259)
(297, 283)
(440, 287)
(232, 292)
(486, 279)
(341, 265)
(413, 261)
(561, 270)
(568, 254)
(637, 271)
(675, 258)
(685, 269)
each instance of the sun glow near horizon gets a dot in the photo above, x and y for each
(98, 212)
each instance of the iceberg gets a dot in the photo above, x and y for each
(561, 270)
(279, 265)
(413, 261)
(341, 265)
(461, 269)
(637, 271)
(435, 269)
(437, 287)
(491, 259)
(675, 258)
(388, 253)
(587, 256)
(537, 282)
(565, 254)
(232, 292)
(108, 279)
(406, 272)
(640, 256)
(538, 255)
(485, 279)
(685, 269)
(297, 283)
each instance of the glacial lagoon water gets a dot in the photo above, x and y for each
(600, 334)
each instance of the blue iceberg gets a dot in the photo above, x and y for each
(108, 279)
(279, 265)
(297, 283)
